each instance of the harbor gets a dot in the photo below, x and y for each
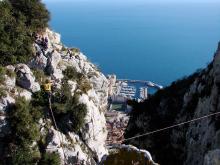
(120, 91)
(130, 89)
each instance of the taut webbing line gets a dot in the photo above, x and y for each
(55, 124)
(173, 126)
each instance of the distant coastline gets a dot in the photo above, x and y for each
(139, 41)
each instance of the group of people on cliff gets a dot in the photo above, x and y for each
(42, 42)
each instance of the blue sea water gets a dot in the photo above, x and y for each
(159, 42)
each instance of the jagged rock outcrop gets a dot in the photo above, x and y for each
(212, 157)
(127, 154)
(192, 97)
(87, 145)
(39, 61)
(94, 133)
(5, 102)
(52, 61)
(25, 78)
(75, 150)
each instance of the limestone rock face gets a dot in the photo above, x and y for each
(127, 154)
(195, 96)
(87, 147)
(94, 132)
(52, 61)
(4, 104)
(10, 82)
(26, 94)
(38, 62)
(54, 58)
(26, 79)
(73, 86)
(212, 157)
(54, 38)
(72, 154)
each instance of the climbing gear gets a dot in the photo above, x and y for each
(55, 124)
(140, 158)
(173, 126)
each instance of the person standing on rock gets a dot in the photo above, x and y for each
(48, 87)
(78, 162)
(70, 53)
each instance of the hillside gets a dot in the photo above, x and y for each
(79, 100)
(32, 56)
(191, 97)
(52, 98)
(53, 102)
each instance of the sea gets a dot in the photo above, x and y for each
(157, 41)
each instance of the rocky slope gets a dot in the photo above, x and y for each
(88, 145)
(127, 155)
(197, 143)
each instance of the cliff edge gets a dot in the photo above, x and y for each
(70, 72)
(191, 97)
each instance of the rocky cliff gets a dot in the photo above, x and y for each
(196, 143)
(87, 145)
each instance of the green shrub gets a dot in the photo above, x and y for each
(77, 113)
(35, 13)
(39, 98)
(63, 49)
(75, 50)
(24, 133)
(2, 92)
(10, 73)
(39, 105)
(70, 73)
(18, 20)
(60, 98)
(67, 108)
(2, 75)
(85, 86)
(37, 112)
(22, 156)
(24, 128)
(69, 113)
(39, 75)
(50, 159)
(59, 108)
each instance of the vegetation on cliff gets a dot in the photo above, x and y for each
(23, 143)
(167, 107)
(19, 19)
(26, 145)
